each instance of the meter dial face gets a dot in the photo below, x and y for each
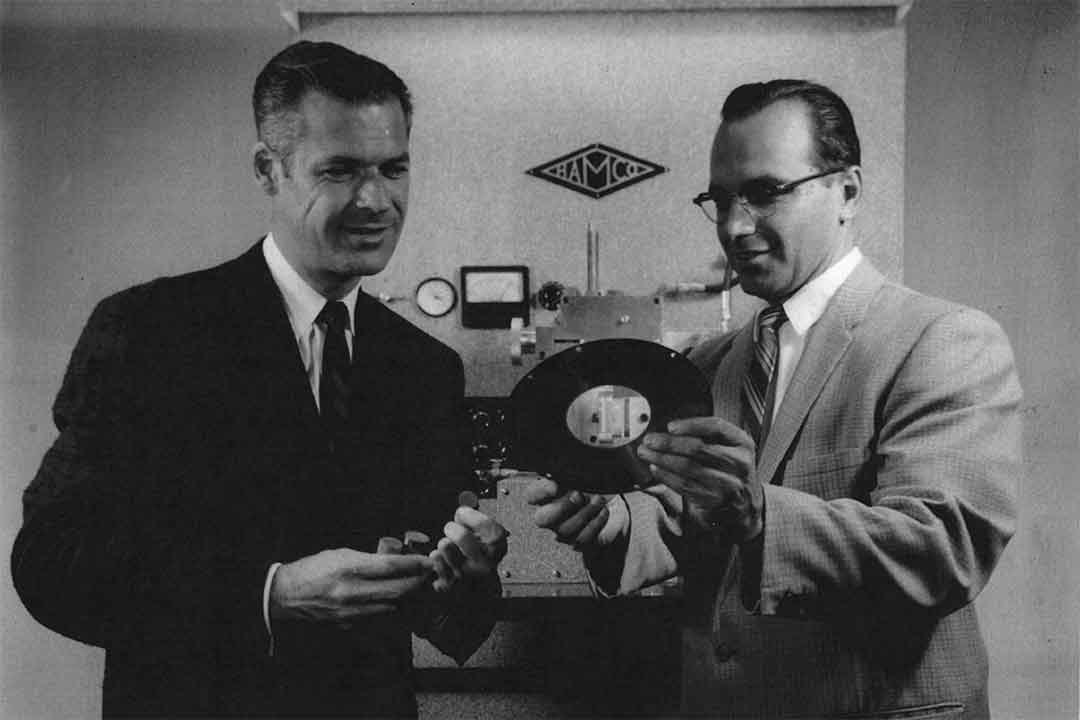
(494, 287)
(436, 296)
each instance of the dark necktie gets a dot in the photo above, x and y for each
(762, 369)
(334, 377)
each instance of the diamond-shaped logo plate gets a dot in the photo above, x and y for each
(596, 170)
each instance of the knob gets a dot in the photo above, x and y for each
(550, 295)
(480, 418)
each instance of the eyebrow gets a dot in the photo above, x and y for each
(353, 162)
(766, 179)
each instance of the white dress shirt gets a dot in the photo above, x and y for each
(303, 304)
(803, 310)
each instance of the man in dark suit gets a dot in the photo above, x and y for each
(235, 443)
(835, 519)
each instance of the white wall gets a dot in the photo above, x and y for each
(124, 144)
(992, 221)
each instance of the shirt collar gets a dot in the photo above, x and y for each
(806, 306)
(302, 301)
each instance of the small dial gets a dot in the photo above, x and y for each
(436, 296)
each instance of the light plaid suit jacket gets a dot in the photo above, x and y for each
(891, 471)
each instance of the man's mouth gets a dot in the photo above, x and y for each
(365, 232)
(745, 256)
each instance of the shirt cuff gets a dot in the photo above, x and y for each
(266, 605)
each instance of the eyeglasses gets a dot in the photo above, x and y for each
(757, 197)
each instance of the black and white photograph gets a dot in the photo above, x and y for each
(538, 359)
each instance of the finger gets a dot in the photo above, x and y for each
(702, 460)
(669, 479)
(541, 490)
(484, 527)
(359, 611)
(557, 511)
(671, 501)
(588, 534)
(569, 529)
(375, 566)
(466, 540)
(444, 574)
(679, 464)
(472, 519)
(452, 560)
(365, 592)
(718, 490)
(450, 552)
(686, 445)
(479, 557)
(715, 429)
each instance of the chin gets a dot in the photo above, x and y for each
(364, 263)
(364, 269)
(751, 283)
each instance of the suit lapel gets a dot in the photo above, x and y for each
(266, 344)
(727, 382)
(827, 342)
(384, 367)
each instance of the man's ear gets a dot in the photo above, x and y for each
(851, 182)
(263, 162)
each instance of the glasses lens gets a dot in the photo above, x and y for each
(761, 196)
(709, 208)
(720, 202)
(757, 198)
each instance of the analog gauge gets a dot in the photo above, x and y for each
(493, 295)
(436, 296)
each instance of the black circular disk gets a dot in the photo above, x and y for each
(544, 443)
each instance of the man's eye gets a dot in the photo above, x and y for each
(337, 174)
(395, 171)
(721, 197)
(760, 194)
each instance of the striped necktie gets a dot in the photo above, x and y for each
(761, 370)
(334, 376)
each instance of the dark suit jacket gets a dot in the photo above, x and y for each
(890, 478)
(190, 457)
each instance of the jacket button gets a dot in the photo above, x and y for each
(724, 651)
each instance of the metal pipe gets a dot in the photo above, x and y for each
(590, 268)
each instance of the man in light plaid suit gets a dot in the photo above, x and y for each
(834, 523)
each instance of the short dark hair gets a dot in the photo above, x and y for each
(324, 67)
(836, 140)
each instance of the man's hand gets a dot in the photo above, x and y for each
(339, 585)
(575, 517)
(470, 550)
(710, 463)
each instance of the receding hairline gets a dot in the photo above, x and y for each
(807, 114)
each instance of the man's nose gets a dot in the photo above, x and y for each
(371, 194)
(739, 220)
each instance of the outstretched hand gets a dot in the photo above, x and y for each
(711, 463)
(575, 517)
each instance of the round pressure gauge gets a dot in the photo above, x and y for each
(436, 296)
